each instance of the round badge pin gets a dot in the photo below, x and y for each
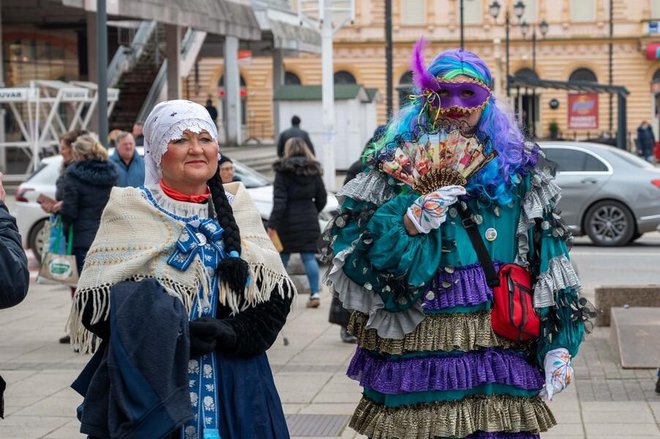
(491, 234)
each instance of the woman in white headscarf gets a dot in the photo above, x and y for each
(205, 245)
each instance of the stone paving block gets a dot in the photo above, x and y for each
(70, 430)
(614, 407)
(567, 416)
(624, 417)
(291, 409)
(330, 408)
(566, 429)
(30, 427)
(622, 430)
(337, 397)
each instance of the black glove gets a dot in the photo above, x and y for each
(208, 334)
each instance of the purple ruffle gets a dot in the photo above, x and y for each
(453, 372)
(466, 286)
(502, 435)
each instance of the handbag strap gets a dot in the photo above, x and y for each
(482, 253)
(69, 246)
(472, 230)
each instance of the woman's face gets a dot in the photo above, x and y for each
(66, 152)
(471, 118)
(190, 162)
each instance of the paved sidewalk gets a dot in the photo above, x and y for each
(606, 402)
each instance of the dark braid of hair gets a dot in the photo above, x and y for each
(233, 270)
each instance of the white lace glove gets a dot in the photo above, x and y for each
(558, 372)
(429, 211)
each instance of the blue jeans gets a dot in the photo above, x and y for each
(311, 268)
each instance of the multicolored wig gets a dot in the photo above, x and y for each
(497, 179)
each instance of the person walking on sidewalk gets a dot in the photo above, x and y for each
(186, 238)
(129, 163)
(298, 197)
(293, 131)
(430, 357)
(14, 273)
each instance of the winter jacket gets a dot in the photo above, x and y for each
(298, 197)
(14, 274)
(131, 175)
(87, 186)
(136, 385)
(290, 133)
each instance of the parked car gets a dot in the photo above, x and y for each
(31, 218)
(608, 194)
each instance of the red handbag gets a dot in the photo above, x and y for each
(513, 315)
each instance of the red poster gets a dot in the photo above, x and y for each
(582, 110)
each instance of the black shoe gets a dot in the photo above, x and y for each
(65, 340)
(346, 337)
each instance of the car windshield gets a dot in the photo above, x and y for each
(249, 177)
(631, 158)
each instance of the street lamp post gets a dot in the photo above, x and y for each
(518, 10)
(524, 28)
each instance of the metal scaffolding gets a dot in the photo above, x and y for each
(42, 112)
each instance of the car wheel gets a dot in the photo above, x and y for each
(609, 224)
(37, 238)
(636, 236)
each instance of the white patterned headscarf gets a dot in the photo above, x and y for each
(166, 122)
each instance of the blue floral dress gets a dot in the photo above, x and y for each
(231, 397)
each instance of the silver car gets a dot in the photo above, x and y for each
(608, 194)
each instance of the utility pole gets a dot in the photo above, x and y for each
(610, 62)
(388, 58)
(462, 24)
(102, 69)
(321, 13)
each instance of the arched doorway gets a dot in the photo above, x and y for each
(655, 90)
(405, 88)
(291, 78)
(526, 103)
(342, 77)
(583, 74)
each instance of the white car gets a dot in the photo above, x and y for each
(31, 218)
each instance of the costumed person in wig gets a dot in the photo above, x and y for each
(186, 292)
(452, 211)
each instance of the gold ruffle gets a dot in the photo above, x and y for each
(452, 419)
(443, 332)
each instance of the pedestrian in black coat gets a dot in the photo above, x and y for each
(298, 197)
(87, 185)
(14, 274)
(290, 133)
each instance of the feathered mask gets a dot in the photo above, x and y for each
(446, 96)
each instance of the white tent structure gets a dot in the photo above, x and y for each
(43, 111)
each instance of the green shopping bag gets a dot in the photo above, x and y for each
(60, 267)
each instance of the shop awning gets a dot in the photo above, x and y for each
(581, 86)
(220, 17)
(282, 25)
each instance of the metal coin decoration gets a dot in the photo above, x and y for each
(491, 234)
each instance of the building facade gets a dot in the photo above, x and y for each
(575, 47)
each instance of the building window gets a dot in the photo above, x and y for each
(529, 15)
(583, 74)
(583, 10)
(412, 12)
(472, 13)
(655, 9)
(343, 77)
(526, 74)
(405, 88)
(656, 76)
(291, 79)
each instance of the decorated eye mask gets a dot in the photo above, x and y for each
(463, 96)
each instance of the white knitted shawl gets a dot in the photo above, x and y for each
(134, 242)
